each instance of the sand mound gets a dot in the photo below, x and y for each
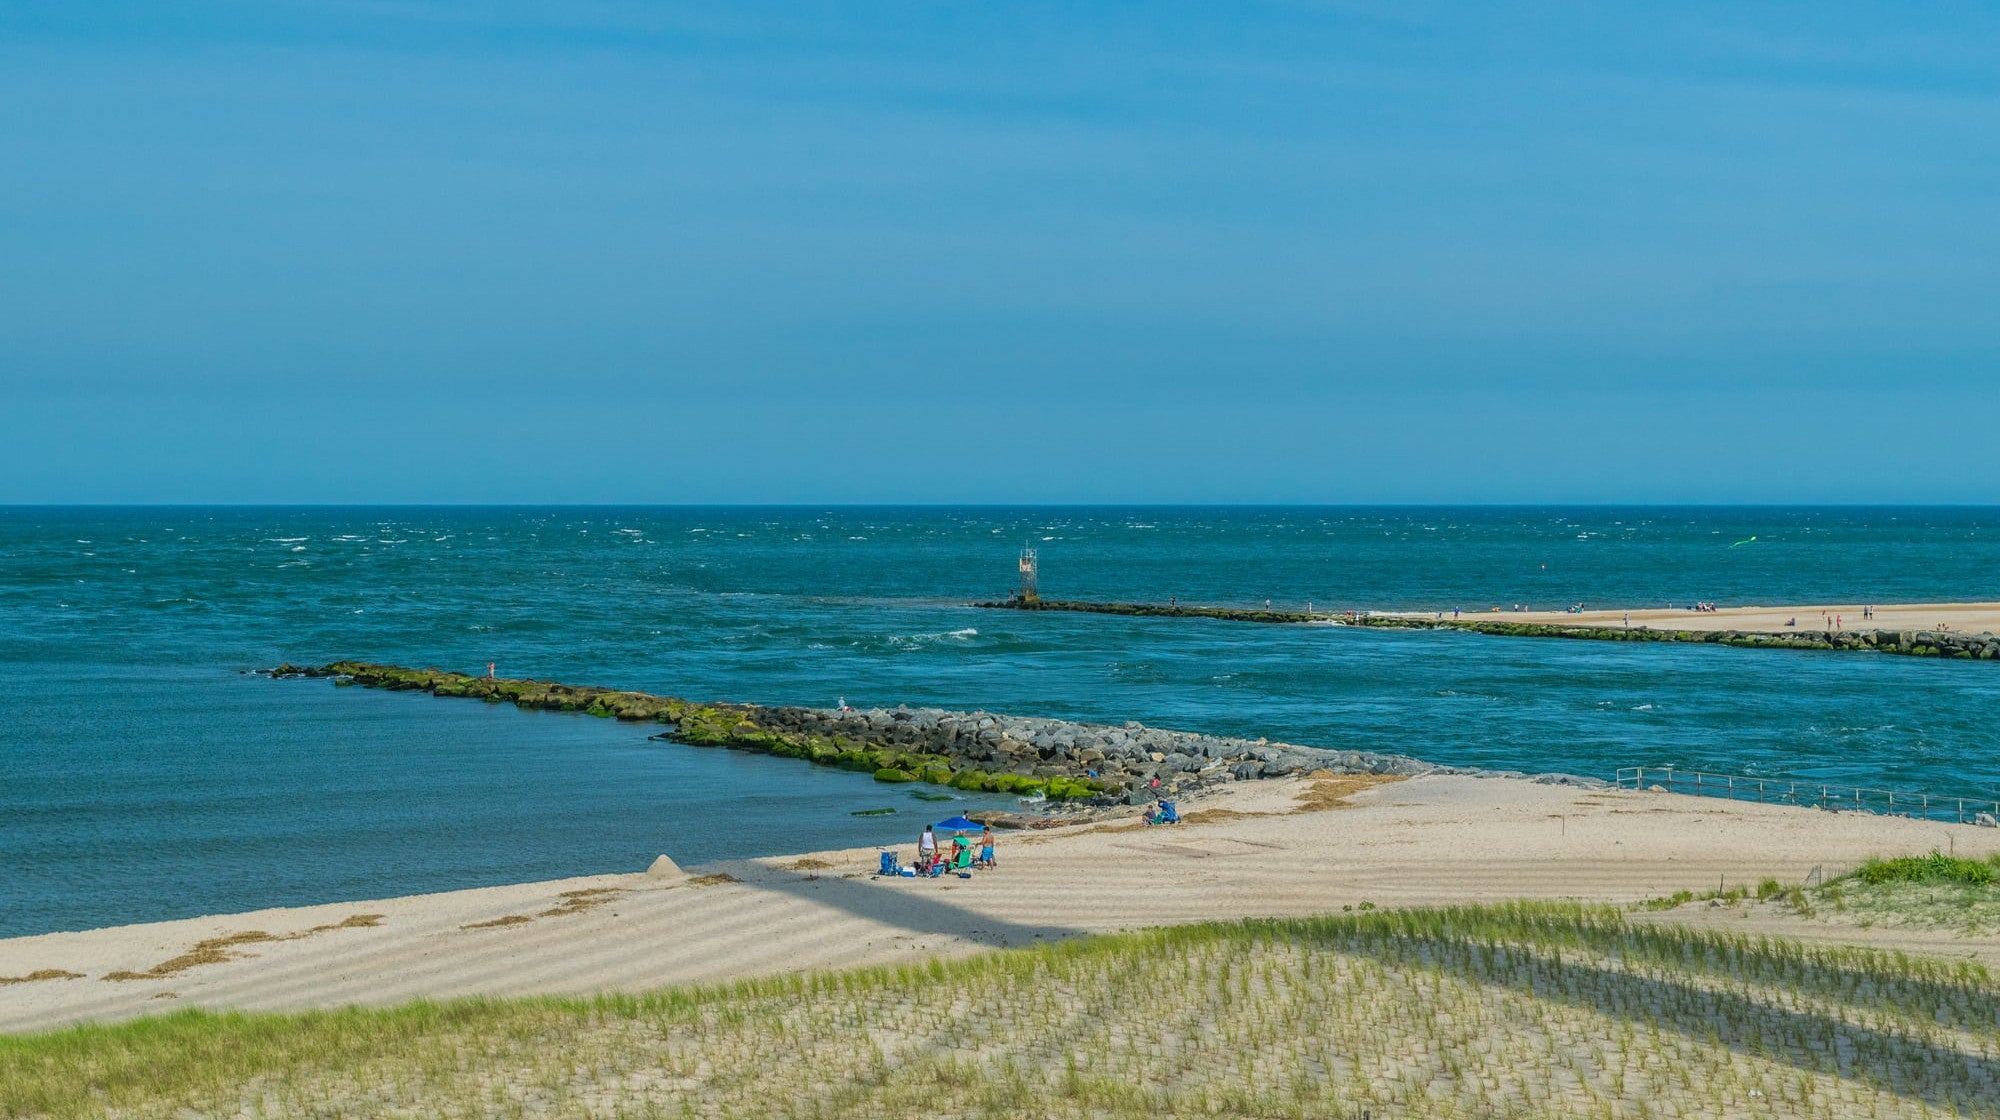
(665, 868)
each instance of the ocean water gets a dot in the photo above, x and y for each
(143, 775)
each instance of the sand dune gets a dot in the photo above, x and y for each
(1423, 841)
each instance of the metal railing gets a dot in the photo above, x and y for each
(1804, 791)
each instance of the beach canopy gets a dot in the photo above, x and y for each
(959, 824)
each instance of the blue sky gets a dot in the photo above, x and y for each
(984, 252)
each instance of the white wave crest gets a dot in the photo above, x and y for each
(918, 641)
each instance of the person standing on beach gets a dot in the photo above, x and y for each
(986, 848)
(927, 847)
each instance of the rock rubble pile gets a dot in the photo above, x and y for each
(1059, 763)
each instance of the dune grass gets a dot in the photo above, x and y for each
(1524, 1010)
(1934, 891)
(1935, 869)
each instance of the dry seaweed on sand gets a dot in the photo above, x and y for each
(41, 974)
(1327, 790)
(216, 950)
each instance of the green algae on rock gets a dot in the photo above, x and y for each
(1054, 761)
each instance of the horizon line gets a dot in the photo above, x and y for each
(1012, 505)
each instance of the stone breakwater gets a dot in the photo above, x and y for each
(1157, 610)
(1911, 643)
(1069, 764)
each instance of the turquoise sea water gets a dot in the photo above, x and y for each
(142, 776)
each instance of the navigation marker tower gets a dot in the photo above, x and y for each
(1031, 568)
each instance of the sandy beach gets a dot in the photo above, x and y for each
(1965, 618)
(1250, 851)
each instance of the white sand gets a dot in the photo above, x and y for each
(1968, 618)
(1425, 841)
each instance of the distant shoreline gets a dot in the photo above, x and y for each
(1954, 631)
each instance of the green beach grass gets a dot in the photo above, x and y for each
(1934, 891)
(1524, 1010)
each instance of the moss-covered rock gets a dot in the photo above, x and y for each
(897, 752)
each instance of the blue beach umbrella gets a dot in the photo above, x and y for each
(959, 824)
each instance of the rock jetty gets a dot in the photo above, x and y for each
(1068, 764)
(1156, 610)
(1910, 643)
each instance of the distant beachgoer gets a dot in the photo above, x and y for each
(986, 848)
(1267, 604)
(1628, 618)
(927, 845)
